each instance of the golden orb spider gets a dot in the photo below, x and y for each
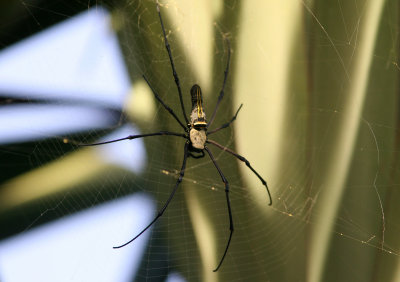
(196, 137)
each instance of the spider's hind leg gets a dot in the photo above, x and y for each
(174, 73)
(225, 125)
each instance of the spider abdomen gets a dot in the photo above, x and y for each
(197, 116)
(198, 138)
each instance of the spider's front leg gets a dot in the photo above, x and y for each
(162, 210)
(228, 202)
(243, 159)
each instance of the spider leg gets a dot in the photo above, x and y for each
(228, 204)
(221, 93)
(162, 210)
(130, 137)
(165, 106)
(178, 85)
(226, 124)
(243, 159)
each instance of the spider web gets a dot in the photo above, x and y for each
(320, 123)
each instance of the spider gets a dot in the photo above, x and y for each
(196, 138)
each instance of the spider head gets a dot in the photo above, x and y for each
(198, 138)
(197, 116)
